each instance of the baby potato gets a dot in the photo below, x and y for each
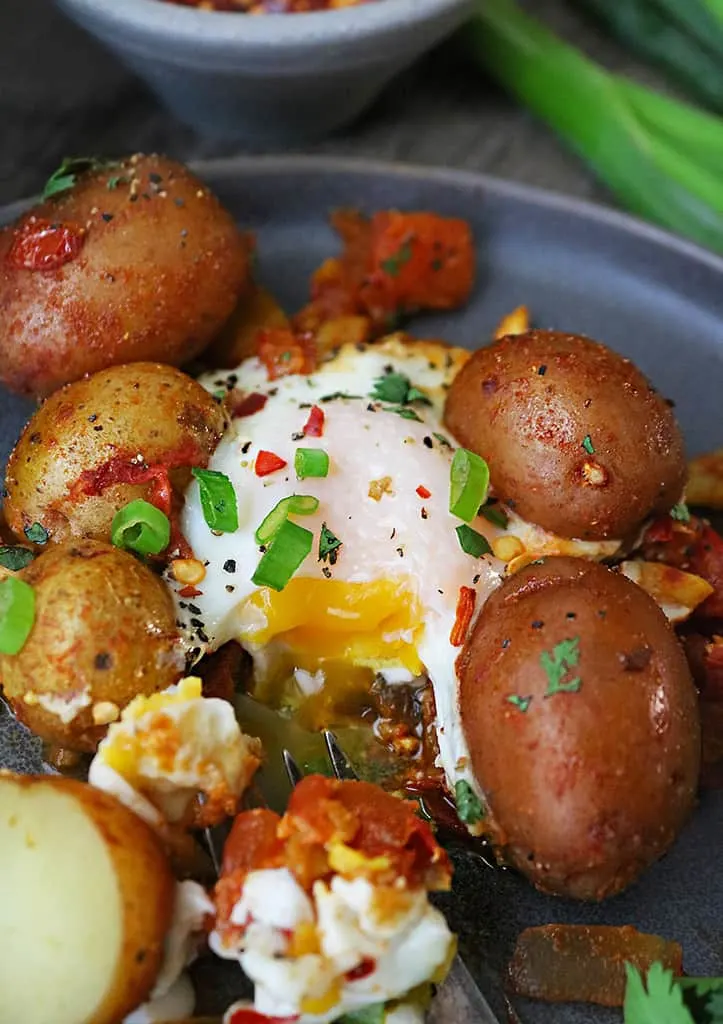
(128, 432)
(573, 433)
(583, 727)
(137, 261)
(88, 900)
(104, 632)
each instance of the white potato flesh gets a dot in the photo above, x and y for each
(70, 930)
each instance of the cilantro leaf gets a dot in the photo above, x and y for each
(36, 534)
(15, 558)
(558, 662)
(329, 545)
(661, 1002)
(469, 806)
(495, 515)
(398, 390)
(65, 177)
(680, 512)
(404, 412)
(415, 395)
(522, 703)
(393, 264)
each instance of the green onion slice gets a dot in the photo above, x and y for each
(288, 549)
(17, 614)
(469, 482)
(294, 505)
(218, 500)
(471, 542)
(311, 462)
(140, 527)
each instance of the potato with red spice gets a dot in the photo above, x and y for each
(582, 725)
(127, 432)
(574, 434)
(127, 260)
(104, 631)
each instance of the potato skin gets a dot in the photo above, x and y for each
(107, 420)
(527, 403)
(161, 267)
(104, 626)
(584, 789)
(146, 885)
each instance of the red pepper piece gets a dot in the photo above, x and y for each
(423, 492)
(314, 426)
(42, 245)
(268, 462)
(465, 610)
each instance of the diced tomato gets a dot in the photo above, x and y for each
(43, 245)
(247, 1015)
(268, 462)
(660, 531)
(465, 610)
(252, 841)
(284, 353)
(240, 405)
(190, 591)
(314, 426)
(363, 969)
(423, 492)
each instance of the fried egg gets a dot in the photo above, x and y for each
(397, 594)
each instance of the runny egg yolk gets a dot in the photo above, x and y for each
(348, 631)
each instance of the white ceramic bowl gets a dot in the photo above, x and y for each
(274, 78)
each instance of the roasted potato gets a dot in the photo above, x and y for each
(573, 433)
(137, 261)
(104, 632)
(582, 722)
(128, 432)
(87, 902)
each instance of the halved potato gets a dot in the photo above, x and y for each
(87, 901)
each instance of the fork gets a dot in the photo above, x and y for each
(458, 1000)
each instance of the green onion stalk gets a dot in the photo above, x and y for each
(660, 157)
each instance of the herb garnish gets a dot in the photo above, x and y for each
(65, 177)
(442, 440)
(397, 389)
(36, 534)
(376, 1013)
(665, 999)
(15, 558)
(588, 445)
(558, 662)
(329, 546)
(680, 512)
(522, 703)
(469, 806)
(393, 264)
(495, 515)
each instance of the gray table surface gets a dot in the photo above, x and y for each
(61, 93)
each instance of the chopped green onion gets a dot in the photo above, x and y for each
(469, 806)
(288, 549)
(14, 558)
(218, 500)
(311, 462)
(17, 614)
(496, 515)
(294, 505)
(329, 545)
(471, 542)
(140, 527)
(36, 534)
(469, 481)
(588, 445)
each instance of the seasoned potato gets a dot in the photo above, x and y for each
(573, 433)
(137, 261)
(128, 432)
(87, 900)
(582, 723)
(104, 632)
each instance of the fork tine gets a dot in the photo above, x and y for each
(340, 763)
(292, 768)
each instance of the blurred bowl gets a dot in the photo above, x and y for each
(269, 78)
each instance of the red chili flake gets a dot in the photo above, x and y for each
(241, 405)
(42, 245)
(314, 426)
(465, 610)
(268, 462)
(247, 1015)
(190, 591)
(423, 492)
(363, 969)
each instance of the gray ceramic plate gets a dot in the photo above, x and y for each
(578, 268)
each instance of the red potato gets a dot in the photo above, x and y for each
(87, 899)
(137, 261)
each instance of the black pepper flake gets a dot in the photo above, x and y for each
(400, 552)
(505, 644)
(140, 956)
(424, 514)
(202, 636)
(245, 447)
(475, 579)
(571, 615)
(103, 661)
(393, 533)
(537, 624)
(636, 660)
(602, 614)
(587, 403)
(298, 435)
(179, 202)
(326, 571)
(428, 442)
(371, 407)
(541, 371)
(35, 438)
(194, 609)
(93, 417)
(194, 653)
(155, 178)
(98, 428)
(304, 405)
(230, 588)
(107, 217)
(182, 604)
(229, 565)
(197, 623)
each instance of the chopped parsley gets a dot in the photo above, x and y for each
(558, 663)
(65, 177)
(680, 512)
(471, 542)
(522, 703)
(397, 389)
(15, 558)
(661, 998)
(405, 412)
(495, 515)
(442, 440)
(393, 264)
(329, 546)
(36, 534)
(588, 445)
(469, 807)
